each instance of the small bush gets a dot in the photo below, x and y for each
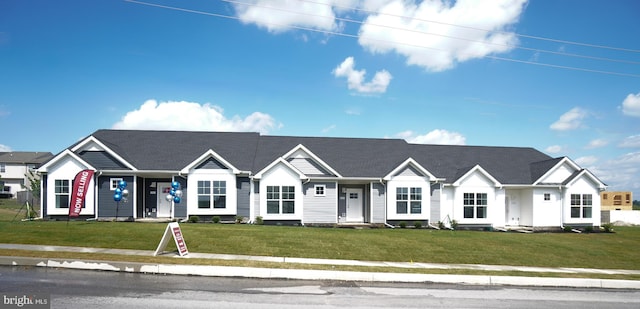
(454, 224)
(417, 224)
(567, 228)
(402, 224)
(589, 229)
(259, 220)
(441, 225)
(239, 219)
(215, 219)
(194, 219)
(608, 227)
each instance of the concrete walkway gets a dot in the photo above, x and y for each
(227, 271)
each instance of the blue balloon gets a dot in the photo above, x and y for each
(118, 191)
(117, 197)
(176, 199)
(175, 185)
(173, 192)
(122, 184)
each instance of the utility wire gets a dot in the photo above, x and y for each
(436, 34)
(479, 29)
(379, 40)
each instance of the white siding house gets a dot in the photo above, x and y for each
(315, 181)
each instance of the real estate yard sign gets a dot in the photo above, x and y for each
(173, 230)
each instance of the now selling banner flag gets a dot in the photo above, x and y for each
(80, 188)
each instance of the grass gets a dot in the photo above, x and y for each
(599, 250)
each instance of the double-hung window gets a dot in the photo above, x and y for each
(62, 193)
(475, 205)
(581, 205)
(212, 194)
(281, 199)
(408, 200)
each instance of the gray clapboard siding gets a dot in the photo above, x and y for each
(378, 203)
(320, 209)
(243, 186)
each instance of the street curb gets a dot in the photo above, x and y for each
(301, 274)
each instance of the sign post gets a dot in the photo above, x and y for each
(172, 230)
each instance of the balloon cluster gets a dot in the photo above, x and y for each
(175, 194)
(121, 193)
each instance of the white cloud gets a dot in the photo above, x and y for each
(424, 32)
(570, 120)
(586, 161)
(631, 105)
(329, 128)
(355, 78)
(437, 136)
(192, 116)
(621, 174)
(597, 143)
(554, 149)
(281, 15)
(632, 141)
(5, 148)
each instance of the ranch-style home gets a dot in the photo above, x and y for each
(320, 181)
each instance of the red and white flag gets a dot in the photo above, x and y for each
(80, 187)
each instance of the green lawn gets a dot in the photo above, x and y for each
(598, 250)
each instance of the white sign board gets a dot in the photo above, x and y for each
(172, 230)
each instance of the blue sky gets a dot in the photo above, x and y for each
(560, 76)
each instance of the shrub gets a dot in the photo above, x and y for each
(454, 224)
(215, 219)
(417, 224)
(259, 220)
(194, 219)
(589, 229)
(441, 225)
(608, 227)
(567, 228)
(402, 224)
(239, 219)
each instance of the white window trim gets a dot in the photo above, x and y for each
(324, 190)
(111, 183)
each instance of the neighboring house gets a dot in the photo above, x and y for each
(616, 200)
(321, 180)
(15, 166)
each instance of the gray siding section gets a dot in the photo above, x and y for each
(409, 171)
(180, 209)
(308, 167)
(256, 198)
(211, 164)
(320, 209)
(436, 192)
(378, 199)
(243, 186)
(106, 204)
(101, 160)
(44, 194)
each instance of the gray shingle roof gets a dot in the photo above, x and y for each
(25, 157)
(351, 157)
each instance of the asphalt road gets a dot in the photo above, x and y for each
(98, 289)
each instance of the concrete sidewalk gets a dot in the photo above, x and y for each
(253, 272)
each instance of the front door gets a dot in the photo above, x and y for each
(512, 210)
(164, 206)
(354, 205)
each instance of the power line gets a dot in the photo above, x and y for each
(379, 40)
(480, 29)
(435, 34)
